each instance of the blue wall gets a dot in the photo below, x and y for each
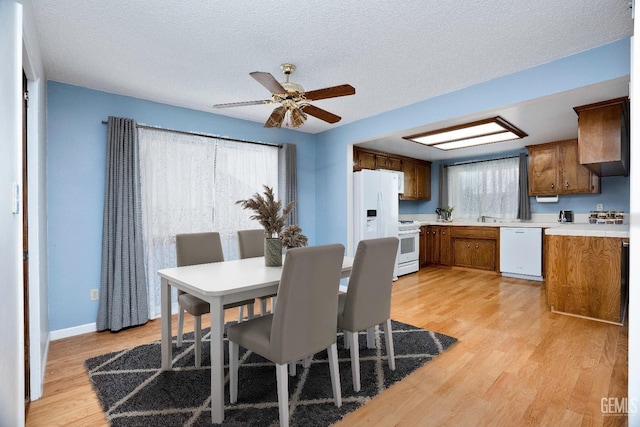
(76, 152)
(76, 155)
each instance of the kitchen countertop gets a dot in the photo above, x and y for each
(547, 221)
(494, 224)
(591, 230)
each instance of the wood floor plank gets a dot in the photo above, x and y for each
(515, 363)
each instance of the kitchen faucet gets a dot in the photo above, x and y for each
(483, 218)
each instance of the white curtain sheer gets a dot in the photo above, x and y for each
(190, 184)
(487, 188)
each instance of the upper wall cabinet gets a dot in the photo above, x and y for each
(363, 160)
(554, 169)
(417, 180)
(603, 136)
(390, 163)
(417, 173)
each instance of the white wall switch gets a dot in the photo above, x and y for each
(94, 294)
(599, 207)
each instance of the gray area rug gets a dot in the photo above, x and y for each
(134, 392)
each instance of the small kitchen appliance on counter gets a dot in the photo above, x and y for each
(565, 216)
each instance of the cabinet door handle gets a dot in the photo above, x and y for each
(567, 185)
(468, 245)
(477, 246)
(553, 185)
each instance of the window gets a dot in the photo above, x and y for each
(488, 188)
(190, 184)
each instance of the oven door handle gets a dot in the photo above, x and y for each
(408, 232)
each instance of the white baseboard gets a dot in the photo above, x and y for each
(91, 327)
(70, 332)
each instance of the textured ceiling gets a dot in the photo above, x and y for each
(395, 53)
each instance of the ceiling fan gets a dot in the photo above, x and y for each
(293, 99)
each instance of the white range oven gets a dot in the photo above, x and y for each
(409, 250)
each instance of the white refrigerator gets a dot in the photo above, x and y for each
(375, 206)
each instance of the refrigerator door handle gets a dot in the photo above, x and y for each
(381, 225)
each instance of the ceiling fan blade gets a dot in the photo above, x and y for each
(268, 81)
(276, 118)
(330, 92)
(243, 103)
(320, 113)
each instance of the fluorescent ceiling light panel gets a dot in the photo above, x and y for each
(481, 132)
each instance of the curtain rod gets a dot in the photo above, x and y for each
(183, 132)
(485, 160)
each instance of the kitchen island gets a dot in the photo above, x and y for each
(586, 271)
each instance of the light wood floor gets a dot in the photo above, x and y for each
(515, 363)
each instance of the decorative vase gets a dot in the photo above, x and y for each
(272, 252)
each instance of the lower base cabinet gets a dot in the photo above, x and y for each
(461, 246)
(474, 253)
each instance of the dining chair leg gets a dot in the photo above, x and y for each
(292, 369)
(283, 394)
(371, 337)
(263, 306)
(250, 314)
(197, 331)
(335, 374)
(233, 372)
(306, 362)
(346, 339)
(180, 326)
(355, 361)
(273, 304)
(388, 337)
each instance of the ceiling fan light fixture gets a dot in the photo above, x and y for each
(480, 132)
(276, 118)
(298, 117)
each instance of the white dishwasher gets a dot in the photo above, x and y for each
(521, 252)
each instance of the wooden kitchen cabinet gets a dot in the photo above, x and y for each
(476, 247)
(363, 160)
(445, 245)
(474, 253)
(554, 169)
(423, 245)
(371, 159)
(390, 163)
(437, 245)
(583, 276)
(604, 136)
(461, 246)
(417, 180)
(423, 181)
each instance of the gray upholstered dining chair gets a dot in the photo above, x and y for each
(304, 323)
(251, 245)
(192, 249)
(367, 302)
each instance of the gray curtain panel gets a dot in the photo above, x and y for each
(288, 180)
(443, 187)
(524, 208)
(123, 285)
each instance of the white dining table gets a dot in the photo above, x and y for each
(219, 283)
